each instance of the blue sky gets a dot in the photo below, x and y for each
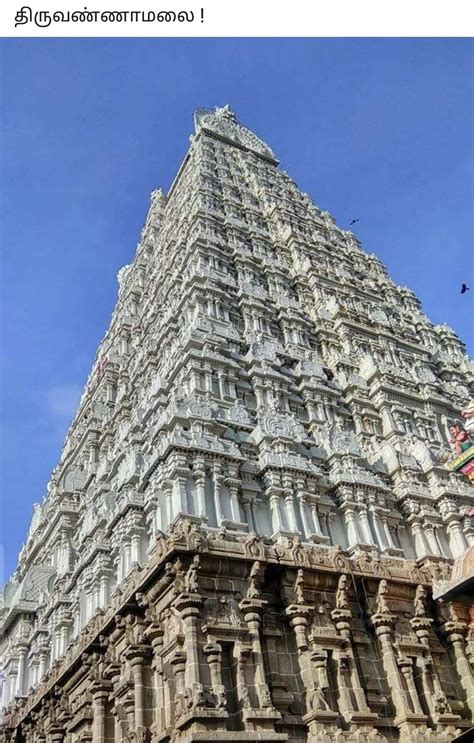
(375, 129)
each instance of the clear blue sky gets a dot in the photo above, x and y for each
(379, 130)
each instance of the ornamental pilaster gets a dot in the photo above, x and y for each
(455, 632)
(252, 610)
(399, 680)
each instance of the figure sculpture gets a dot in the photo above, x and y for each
(253, 591)
(420, 602)
(468, 414)
(461, 441)
(191, 584)
(299, 587)
(342, 601)
(382, 605)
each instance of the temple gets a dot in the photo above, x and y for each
(252, 527)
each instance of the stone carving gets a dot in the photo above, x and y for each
(342, 600)
(420, 601)
(468, 414)
(381, 602)
(253, 590)
(299, 587)
(191, 584)
(226, 423)
(253, 546)
(460, 440)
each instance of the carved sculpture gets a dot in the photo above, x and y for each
(342, 600)
(191, 584)
(381, 602)
(253, 591)
(299, 587)
(420, 601)
(460, 440)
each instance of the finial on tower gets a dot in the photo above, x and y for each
(223, 122)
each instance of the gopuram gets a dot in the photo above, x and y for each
(260, 489)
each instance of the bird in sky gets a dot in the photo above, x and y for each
(464, 288)
(353, 222)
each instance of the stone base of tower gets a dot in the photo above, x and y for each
(237, 638)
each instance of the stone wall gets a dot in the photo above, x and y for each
(224, 636)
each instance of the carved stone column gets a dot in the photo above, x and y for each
(421, 548)
(406, 720)
(457, 540)
(154, 634)
(319, 717)
(200, 482)
(136, 655)
(349, 517)
(100, 693)
(252, 609)
(454, 631)
(213, 652)
(440, 711)
(342, 619)
(277, 525)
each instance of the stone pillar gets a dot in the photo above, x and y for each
(421, 549)
(212, 651)
(405, 719)
(155, 635)
(349, 516)
(136, 655)
(457, 541)
(178, 663)
(20, 676)
(317, 524)
(104, 590)
(189, 607)
(304, 519)
(454, 632)
(379, 530)
(136, 664)
(342, 619)
(275, 512)
(388, 533)
(43, 654)
(234, 500)
(406, 666)
(200, 482)
(247, 505)
(99, 699)
(365, 525)
(319, 717)
(252, 610)
(217, 476)
(290, 511)
(431, 539)
(136, 547)
(179, 495)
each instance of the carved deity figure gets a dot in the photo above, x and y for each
(460, 440)
(316, 700)
(191, 584)
(441, 705)
(342, 601)
(419, 602)
(382, 605)
(299, 587)
(253, 591)
(468, 415)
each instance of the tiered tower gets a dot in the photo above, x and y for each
(240, 538)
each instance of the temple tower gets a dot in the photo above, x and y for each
(252, 503)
